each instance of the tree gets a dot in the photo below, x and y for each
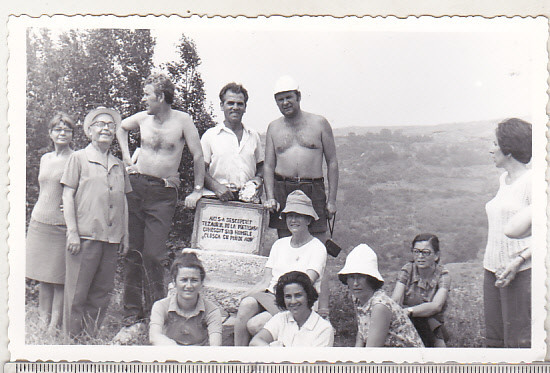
(75, 72)
(190, 97)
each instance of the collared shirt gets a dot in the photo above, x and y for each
(401, 332)
(419, 290)
(316, 331)
(509, 200)
(186, 328)
(100, 198)
(231, 162)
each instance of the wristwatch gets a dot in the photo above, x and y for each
(410, 311)
(198, 188)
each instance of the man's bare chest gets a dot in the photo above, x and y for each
(157, 138)
(307, 139)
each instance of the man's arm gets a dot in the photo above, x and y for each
(329, 150)
(269, 170)
(127, 125)
(192, 140)
(222, 192)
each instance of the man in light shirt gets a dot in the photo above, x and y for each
(232, 152)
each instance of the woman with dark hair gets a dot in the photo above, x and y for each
(46, 235)
(298, 324)
(185, 317)
(507, 260)
(422, 288)
(299, 252)
(381, 321)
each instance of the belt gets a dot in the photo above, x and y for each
(299, 179)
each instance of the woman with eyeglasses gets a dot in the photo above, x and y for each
(46, 235)
(95, 184)
(507, 260)
(422, 288)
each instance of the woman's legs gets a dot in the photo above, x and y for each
(257, 322)
(248, 308)
(45, 300)
(57, 307)
(494, 324)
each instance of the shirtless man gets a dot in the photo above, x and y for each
(295, 146)
(154, 177)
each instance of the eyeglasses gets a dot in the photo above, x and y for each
(424, 253)
(102, 124)
(59, 130)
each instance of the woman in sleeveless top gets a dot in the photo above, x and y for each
(46, 234)
(381, 321)
(507, 260)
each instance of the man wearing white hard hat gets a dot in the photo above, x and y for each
(381, 321)
(155, 181)
(95, 184)
(296, 144)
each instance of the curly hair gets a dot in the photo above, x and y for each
(186, 260)
(235, 88)
(295, 277)
(514, 136)
(61, 117)
(162, 84)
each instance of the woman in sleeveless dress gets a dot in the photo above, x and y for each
(46, 234)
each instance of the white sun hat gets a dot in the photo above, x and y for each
(284, 84)
(362, 259)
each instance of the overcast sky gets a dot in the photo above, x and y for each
(370, 73)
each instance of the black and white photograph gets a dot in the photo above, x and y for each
(222, 189)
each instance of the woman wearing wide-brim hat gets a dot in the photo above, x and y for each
(299, 252)
(95, 184)
(381, 321)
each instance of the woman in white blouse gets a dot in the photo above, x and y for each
(507, 261)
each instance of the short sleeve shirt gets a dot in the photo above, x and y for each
(187, 329)
(100, 198)
(231, 162)
(401, 332)
(419, 290)
(316, 331)
(284, 258)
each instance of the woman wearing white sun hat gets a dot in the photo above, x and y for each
(381, 321)
(299, 252)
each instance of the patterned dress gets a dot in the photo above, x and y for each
(401, 332)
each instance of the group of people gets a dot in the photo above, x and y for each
(93, 207)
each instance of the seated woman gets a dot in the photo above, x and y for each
(422, 288)
(381, 321)
(299, 252)
(185, 317)
(298, 325)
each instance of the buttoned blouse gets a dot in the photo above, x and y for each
(231, 162)
(315, 332)
(187, 328)
(100, 198)
(419, 290)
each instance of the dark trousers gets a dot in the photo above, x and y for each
(89, 278)
(508, 311)
(151, 207)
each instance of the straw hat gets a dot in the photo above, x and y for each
(362, 259)
(98, 111)
(298, 202)
(284, 84)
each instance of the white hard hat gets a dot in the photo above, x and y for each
(362, 259)
(284, 84)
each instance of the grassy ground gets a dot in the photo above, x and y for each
(464, 313)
